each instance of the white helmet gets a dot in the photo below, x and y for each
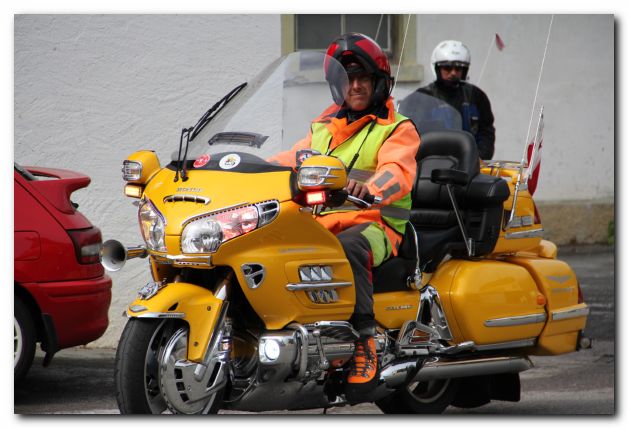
(453, 52)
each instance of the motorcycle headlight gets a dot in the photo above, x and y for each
(152, 225)
(205, 234)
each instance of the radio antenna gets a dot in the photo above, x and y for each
(403, 48)
(525, 147)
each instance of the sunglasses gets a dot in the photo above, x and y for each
(448, 68)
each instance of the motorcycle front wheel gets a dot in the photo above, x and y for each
(426, 397)
(137, 367)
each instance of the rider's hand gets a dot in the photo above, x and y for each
(357, 189)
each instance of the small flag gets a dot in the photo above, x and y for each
(534, 168)
(499, 42)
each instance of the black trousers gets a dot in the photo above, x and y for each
(358, 251)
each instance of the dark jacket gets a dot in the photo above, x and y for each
(477, 118)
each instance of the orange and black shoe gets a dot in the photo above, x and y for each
(363, 373)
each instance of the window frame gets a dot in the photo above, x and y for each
(410, 70)
(343, 29)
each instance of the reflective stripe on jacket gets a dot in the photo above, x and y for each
(395, 211)
(386, 163)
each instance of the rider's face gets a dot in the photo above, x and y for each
(451, 73)
(358, 97)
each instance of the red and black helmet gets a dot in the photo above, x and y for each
(356, 47)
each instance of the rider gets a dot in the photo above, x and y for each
(364, 123)
(450, 63)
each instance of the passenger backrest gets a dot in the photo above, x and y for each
(480, 201)
(431, 205)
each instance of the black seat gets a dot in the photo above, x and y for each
(432, 213)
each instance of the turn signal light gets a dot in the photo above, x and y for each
(315, 198)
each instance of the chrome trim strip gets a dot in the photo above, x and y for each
(570, 313)
(161, 315)
(535, 233)
(183, 259)
(209, 213)
(187, 198)
(507, 345)
(522, 221)
(316, 286)
(518, 320)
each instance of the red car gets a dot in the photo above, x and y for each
(61, 294)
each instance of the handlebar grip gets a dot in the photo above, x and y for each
(372, 199)
(366, 202)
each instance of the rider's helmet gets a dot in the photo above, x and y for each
(451, 52)
(352, 48)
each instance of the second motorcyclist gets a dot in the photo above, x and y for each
(451, 60)
(379, 146)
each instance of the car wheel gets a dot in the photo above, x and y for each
(23, 340)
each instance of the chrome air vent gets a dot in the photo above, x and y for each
(254, 274)
(267, 211)
(315, 273)
(323, 296)
(187, 198)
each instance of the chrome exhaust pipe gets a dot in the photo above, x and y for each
(398, 373)
(114, 255)
(438, 368)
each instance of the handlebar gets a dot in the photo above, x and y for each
(367, 202)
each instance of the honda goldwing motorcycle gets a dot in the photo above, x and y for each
(250, 296)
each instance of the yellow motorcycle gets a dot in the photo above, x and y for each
(250, 296)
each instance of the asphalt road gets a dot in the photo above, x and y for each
(80, 380)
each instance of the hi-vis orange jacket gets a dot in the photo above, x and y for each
(386, 163)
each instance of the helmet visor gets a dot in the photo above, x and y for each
(336, 75)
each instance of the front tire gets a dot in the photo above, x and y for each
(427, 397)
(137, 366)
(24, 340)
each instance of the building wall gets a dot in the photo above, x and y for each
(91, 89)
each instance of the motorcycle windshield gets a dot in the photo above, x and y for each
(268, 114)
(430, 113)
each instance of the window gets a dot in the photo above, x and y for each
(315, 32)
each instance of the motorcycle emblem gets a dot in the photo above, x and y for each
(229, 161)
(201, 161)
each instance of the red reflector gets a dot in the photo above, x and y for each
(580, 295)
(537, 217)
(87, 244)
(315, 198)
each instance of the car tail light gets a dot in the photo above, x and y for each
(87, 244)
